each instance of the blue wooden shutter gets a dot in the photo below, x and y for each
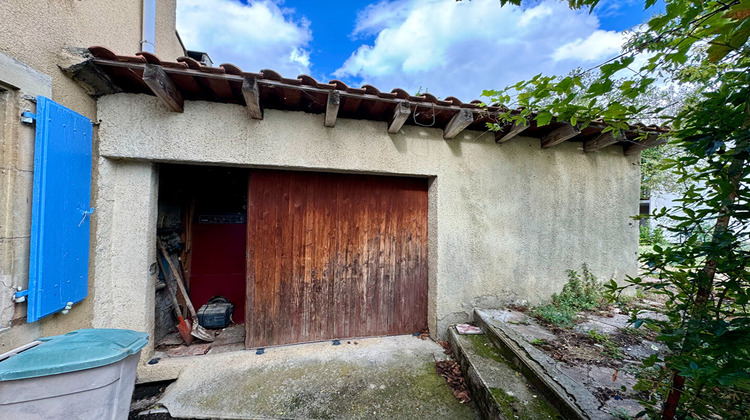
(58, 270)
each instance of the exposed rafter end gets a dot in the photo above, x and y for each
(400, 115)
(559, 135)
(458, 123)
(163, 87)
(332, 108)
(516, 129)
(601, 141)
(652, 140)
(252, 98)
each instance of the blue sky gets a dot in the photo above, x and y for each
(449, 48)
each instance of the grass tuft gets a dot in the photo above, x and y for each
(582, 292)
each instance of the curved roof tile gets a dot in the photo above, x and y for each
(142, 57)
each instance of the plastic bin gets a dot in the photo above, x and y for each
(84, 374)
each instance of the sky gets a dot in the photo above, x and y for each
(445, 47)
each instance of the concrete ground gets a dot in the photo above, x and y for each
(389, 377)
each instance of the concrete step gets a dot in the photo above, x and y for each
(497, 387)
(569, 397)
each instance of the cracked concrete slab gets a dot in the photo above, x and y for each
(601, 391)
(389, 377)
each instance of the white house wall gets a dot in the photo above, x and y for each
(506, 221)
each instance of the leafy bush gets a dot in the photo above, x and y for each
(582, 292)
(649, 236)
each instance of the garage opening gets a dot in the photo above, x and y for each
(302, 256)
(202, 220)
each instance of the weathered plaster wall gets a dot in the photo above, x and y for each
(506, 221)
(34, 36)
(16, 185)
(36, 33)
(125, 249)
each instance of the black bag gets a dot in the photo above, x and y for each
(216, 314)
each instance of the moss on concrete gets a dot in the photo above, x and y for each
(338, 389)
(513, 395)
(483, 347)
(512, 408)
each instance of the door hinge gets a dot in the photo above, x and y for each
(28, 117)
(20, 295)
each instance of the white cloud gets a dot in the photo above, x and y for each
(599, 45)
(253, 36)
(378, 16)
(531, 15)
(460, 48)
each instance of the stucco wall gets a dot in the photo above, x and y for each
(16, 184)
(34, 36)
(125, 249)
(36, 32)
(506, 221)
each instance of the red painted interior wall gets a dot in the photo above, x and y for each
(218, 265)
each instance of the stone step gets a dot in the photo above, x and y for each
(569, 397)
(497, 387)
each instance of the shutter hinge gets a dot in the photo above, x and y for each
(66, 309)
(20, 295)
(28, 117)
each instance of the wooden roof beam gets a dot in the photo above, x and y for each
(567, 131)
(252, 98)
(652, 140)
(458, 123)
(601, 141)
(516, 129)
(400, 115)
(332, 108)
(163, 87)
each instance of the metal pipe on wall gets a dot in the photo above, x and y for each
(148, 29)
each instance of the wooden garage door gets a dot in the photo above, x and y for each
(334, 256)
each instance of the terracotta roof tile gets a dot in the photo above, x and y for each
(307, 80)
(339, 84)
(454, 100)
(231, 69)
(213, 70)
(191, 63)
(252, 75)
(401, 94)
(224, 83)
(173, 65)
(150, 58)
(371, 90)
(102, 52)
(270, 75)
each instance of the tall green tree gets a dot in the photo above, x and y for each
(703, 45)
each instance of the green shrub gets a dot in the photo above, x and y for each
(562, 317)
(582, 292)
(648, 236)
(644, 235)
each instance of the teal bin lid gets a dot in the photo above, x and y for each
(76, 350)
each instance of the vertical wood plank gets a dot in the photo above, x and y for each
(252, 230)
